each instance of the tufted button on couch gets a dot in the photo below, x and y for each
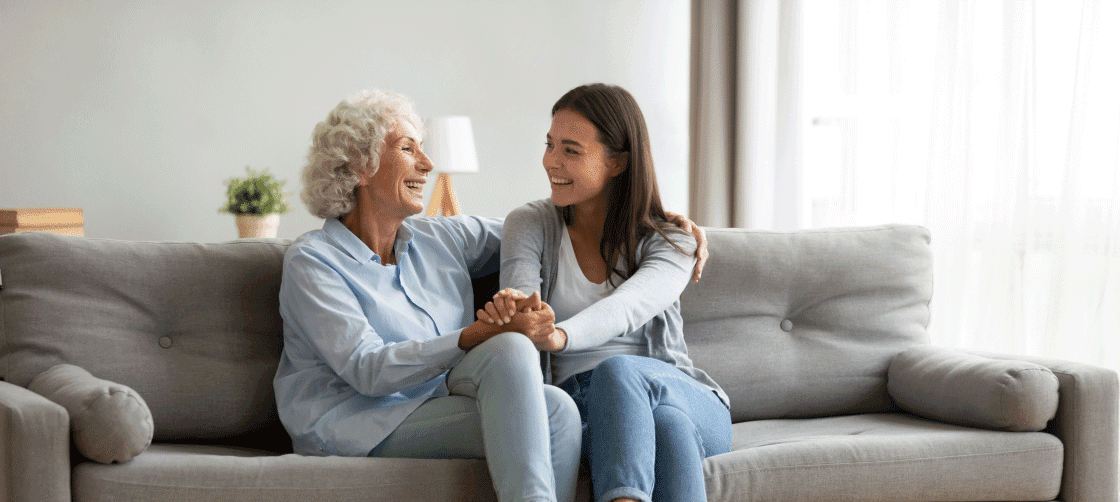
(818, 337)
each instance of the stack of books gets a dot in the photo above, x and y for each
(59, 220)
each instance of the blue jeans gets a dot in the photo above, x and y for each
(647, 429)
(499, 409)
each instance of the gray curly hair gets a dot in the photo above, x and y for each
(349, 141)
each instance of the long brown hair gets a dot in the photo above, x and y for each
(634, 208)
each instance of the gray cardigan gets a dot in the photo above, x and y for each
(647, 304)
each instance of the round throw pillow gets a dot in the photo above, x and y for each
(961, 388)
(109, 422)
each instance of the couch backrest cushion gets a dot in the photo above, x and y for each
(194, 328)
(806, 323)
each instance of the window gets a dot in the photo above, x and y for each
(996, 124)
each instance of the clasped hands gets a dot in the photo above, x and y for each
(513, 310)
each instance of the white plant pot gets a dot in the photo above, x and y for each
(253, 225)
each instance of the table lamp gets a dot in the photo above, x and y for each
(450, 145)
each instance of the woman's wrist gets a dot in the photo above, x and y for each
(561, 339)
(475, 334)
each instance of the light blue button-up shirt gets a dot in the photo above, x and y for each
(364, 343)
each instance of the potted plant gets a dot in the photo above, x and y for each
(258, 202)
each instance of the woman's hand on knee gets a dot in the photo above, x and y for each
(513, 310)
(491, 315)
(530, 316)
(538, 325)
(531, 303)
(532, 322)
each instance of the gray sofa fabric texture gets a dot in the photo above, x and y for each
(805, 324)
(799, 328)
(967, 389)
(885, 457)
(213, 473)
(194, 328)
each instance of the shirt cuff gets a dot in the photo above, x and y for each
(446, 348)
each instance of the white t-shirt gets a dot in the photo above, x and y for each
(573, 293)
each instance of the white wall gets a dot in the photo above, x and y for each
(137, 111)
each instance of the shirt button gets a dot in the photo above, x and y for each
(787, 325)
(165, 342)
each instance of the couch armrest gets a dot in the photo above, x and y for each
(34, 447)
(1087, 423)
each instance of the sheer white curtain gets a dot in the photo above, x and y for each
(996, 124)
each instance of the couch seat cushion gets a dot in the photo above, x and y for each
(883, 457)
(215, 473)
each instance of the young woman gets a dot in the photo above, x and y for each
(603, 258)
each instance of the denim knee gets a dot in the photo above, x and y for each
(562, 407)
(564, 423)
(675, 430)
(616, 369)
(514, 352)
(618, 377)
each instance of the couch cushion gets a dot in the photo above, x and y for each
(109, 422)
(968, 389)
(194, 328)
(209, 473)
(882, 457)
(806, 323)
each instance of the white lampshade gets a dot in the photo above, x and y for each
(450, 145)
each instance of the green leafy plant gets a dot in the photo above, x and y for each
(259, 193)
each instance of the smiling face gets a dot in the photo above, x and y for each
(397, 186)
(577, 163)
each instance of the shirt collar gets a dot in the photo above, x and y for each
(357, 249)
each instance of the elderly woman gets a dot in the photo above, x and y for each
(382, 354)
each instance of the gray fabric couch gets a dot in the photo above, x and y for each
(818, 337)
